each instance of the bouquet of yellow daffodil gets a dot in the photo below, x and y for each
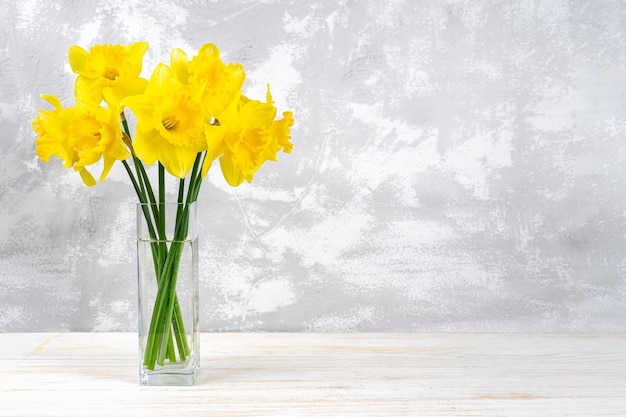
(190, 113)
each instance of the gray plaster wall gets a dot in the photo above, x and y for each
(457, 166)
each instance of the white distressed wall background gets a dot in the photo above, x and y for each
(458, 166)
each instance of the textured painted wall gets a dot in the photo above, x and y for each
(458, 166)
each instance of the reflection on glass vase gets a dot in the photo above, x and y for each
(167, 264)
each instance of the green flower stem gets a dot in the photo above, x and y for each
(170, 279)
(171, 352)
(159, 336)
(178, 325)
(159, 216)
(142, 199)
(159, 340)
(146, 180)
(196, 179)
(164, 303)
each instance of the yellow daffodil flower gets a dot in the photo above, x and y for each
(95, 133)
(169, 122)
(220, 82)
(250, 136)
(52, 129)
(109, 72)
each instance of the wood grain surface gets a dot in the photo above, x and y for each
(321, 374)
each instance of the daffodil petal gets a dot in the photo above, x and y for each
(257, 115)
(232, 174)
(87, 178)
(142, 108)
(215, 145)
(146, 144)
(180, 65)
(53, 100)
(78, 58)
(209, 50)
(135, 55)
(108, 164)
(117, 150)
(124, 87)
(230, 112)
(178, 163)
(162, 77)
(89, 90)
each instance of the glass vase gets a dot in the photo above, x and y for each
(167, 266)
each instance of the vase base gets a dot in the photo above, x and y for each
(161, 378)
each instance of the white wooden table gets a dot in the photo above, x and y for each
(296, 374)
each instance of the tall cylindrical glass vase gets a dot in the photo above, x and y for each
(167, 265)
